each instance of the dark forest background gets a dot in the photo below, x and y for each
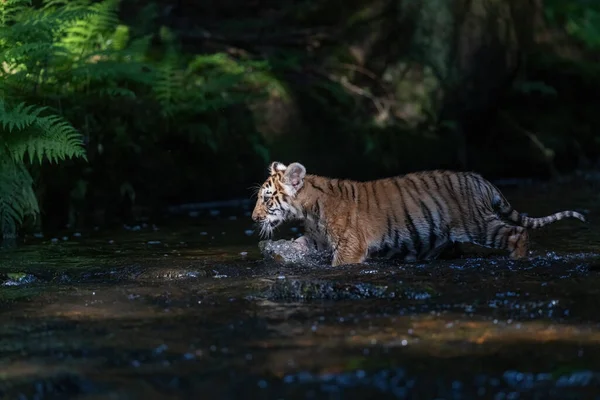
(114, 110)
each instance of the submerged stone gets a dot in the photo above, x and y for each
(290, 252)
(18, 278)
(295, 289)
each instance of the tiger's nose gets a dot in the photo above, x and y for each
(256, 217)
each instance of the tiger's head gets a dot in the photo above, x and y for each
(273, 203)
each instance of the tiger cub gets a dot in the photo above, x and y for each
(416, 215)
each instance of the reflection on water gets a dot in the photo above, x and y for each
(190, 310)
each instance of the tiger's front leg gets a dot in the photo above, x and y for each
(349, 255)
(349, 251)
(316, 237)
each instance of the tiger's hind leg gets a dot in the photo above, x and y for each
(500, 235)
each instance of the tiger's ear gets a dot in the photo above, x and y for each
(276, 166)
(294, 177)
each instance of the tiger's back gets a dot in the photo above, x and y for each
(415, 216)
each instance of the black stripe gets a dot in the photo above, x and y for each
(419, 240)
(353, 193)
(412, 230)
(389, 214)
(473, 206)
(398, 186)
(403, 252)
(452, 193)
(319, 188)
(424, 181)
(396, 237)
(340, 188)
(481, 222)
(491, 240)
(429, 217)
(468, 215)
(414, 184)
(389, 228)
(437, 204)
(437, 185)
(433, 197)
(375, 194)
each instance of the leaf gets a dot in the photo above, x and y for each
(17, 199)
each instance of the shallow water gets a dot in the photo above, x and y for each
(191, 310)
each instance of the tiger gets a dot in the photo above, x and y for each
(413, 216)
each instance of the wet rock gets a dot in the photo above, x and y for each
(290, 252)
(309, 290)
(170, 274)
(18, 278)
(295, 289)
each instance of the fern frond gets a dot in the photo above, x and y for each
(60, 143)
(168, 85)
(120, 38)
(111, 71)
(26, 51)
(10, 8)
(17, 199)
(32, 24)
(38, 136)
(18, 117)
(66, 4)
(59, 140)
(82, 35)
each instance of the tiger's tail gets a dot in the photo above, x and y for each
(507, 211)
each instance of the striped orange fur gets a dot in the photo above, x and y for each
(415, 215)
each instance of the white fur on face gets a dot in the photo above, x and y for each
(277, 213)
(276, 167)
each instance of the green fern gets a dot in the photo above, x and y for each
(11, 8)
(168, 85)
(28, 132)
(81, 35)
(57, 60)
(208, 83)
(17, 199)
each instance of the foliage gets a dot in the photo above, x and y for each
(72, 74)
(154, 116)
(28, 132)
(580, 19)
(206, 84)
